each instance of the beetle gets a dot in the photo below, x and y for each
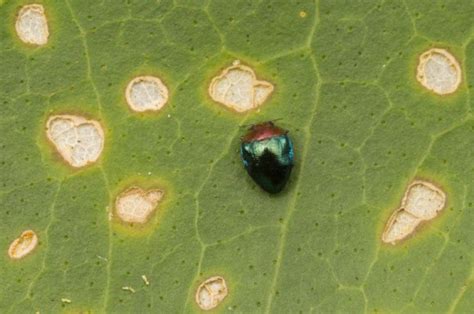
(268, 155)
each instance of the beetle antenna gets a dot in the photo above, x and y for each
(252, 124)
(246, 125)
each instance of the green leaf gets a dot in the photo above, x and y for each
(344, 86)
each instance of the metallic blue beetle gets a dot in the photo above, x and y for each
(267, 154)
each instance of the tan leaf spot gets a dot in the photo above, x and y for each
(145, 93)
(31, 25)
(238, 88)
(211, 292)
(78, 140)
(439, 71)
(422, 202)
(23, 245)
(136, 205)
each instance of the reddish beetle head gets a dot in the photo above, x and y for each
(262, 131)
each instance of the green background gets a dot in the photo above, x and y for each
(345, 88)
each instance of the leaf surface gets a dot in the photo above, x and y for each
(345, 88)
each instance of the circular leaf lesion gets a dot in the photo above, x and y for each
(23, 245)
(32, 25)
(146, 93)
(135, 205)
(78, 140)
(211, 292)
(422, 202)
(238, 88)
(439, 71)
